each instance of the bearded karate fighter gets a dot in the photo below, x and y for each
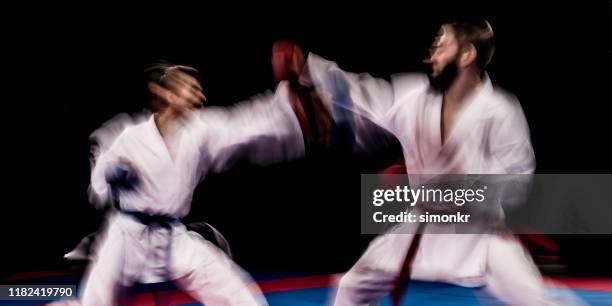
(452, 121)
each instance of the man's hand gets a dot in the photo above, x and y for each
(122, 175)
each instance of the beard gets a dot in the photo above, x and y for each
(445, 78)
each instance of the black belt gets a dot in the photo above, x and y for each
(153, 220)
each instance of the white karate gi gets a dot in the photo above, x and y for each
(491, 136)
(263, 131)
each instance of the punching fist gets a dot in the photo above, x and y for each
(313, 115)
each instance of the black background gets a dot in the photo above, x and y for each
(72, 68)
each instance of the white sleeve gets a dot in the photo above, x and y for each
(368, 97)
(99, 190)
(364, 103)
(511, 144)
(104, 150)
(511, 147)
(263, 130)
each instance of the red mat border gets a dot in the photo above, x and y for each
(174, 297)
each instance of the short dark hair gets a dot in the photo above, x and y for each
(478, 33)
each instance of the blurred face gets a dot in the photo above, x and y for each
(443, 58)
(186, 91)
